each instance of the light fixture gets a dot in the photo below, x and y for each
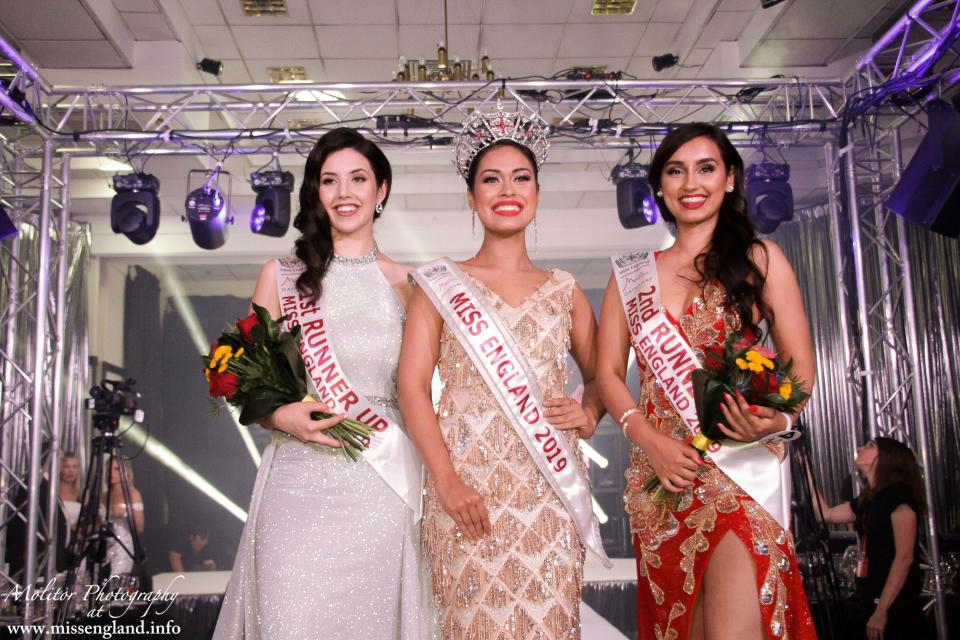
(213, 67)
(207, 211)
(665, 61)
(769, 195)
(135, 210)
(440, 70)
(271, 212)
(612, 7)
(256, 8)
(636, 205)
(7, 227)
(766, 4)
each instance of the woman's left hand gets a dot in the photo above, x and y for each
(876, 625)
(749, 423)
(566, 413)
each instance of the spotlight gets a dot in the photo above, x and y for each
(766, 4)
(665, 61)
(7, 227)
(213, 67)
(769, 195)
(206, 212)
(271, 213)
(636, 205)
(135, 210)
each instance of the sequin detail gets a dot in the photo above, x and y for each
(383, 401)
(525, 578)
(347, 261)
(672, 546)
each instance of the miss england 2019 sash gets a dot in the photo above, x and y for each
(512, 382)
(390, 453)
(751, 465)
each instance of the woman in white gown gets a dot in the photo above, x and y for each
(120, 551)
(330, 549)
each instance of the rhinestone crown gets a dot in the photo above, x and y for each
(481, 130)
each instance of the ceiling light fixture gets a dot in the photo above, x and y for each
(207, 211)
(440, 70)
(613, 7)
(211, 66)
(665, 61)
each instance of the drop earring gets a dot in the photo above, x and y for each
(659, 194)
(473, 224)
(730, 189)
(536, 235)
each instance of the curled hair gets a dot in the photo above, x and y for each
(527, 153)
(314, 247)
(727, 260)
(896, 464)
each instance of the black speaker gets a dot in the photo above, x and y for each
(635, 203)
(928, 192)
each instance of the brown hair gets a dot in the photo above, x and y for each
(896, 464)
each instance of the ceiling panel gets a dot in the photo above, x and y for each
(148, 26)
(203, 12)
(368, 41)
(797, 18)
(234, 72)
(276, 42)
(522, 40)
(353, 12)
(49, 20)
(658, 38)
(431, 11)
(596, 40)
(73, 54)
(527, 11)
(673, 10)
(420, 41)
(141, 6)
(522, 67)
(777, 53)
(723, 26)
(379, 70)
(217, 41)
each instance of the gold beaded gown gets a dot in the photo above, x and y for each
(524, 579)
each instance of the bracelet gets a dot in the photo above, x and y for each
(623, 420)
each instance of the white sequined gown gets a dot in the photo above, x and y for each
(329, 549)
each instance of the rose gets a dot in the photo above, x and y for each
(761, 385)
(246, 327)
(713, 357)
(223, 384)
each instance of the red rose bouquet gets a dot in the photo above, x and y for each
(740, 365)
(256, 366)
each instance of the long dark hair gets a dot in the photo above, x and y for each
(527, 153)
(314, 247)
(727, 259)
(896, 464)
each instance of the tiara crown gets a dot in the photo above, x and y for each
(481, 130)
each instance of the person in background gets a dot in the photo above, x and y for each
(70, 488)
(195, 553)
(886, 514)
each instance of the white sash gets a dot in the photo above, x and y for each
(654, 337)
(390, 452)
(510, 378)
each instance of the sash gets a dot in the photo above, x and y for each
(654, 337)
(390, 452)
(510, 378)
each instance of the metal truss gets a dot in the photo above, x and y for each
(32, 281)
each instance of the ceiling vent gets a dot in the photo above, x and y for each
(280, 75)
(613, 7)
(264, 7)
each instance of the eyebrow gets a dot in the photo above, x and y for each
(700, 161)
(498, 170)
(331, 173)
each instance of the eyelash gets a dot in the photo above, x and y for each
(355, 179)
(523, 177)
(705, 169)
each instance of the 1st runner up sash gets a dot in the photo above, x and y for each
(390, 453)
(654, 337)
(512, 382)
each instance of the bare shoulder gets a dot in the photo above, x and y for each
(265, 293)
(769, 257)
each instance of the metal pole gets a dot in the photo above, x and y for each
(56, 415)
(39, 355)
(869, 408)
(921, 426)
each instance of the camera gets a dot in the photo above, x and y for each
(112, 399)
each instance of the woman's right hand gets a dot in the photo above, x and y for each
(294, 419)
(465, 506)
(674, 462)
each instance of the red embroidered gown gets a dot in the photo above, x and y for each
(673, 548)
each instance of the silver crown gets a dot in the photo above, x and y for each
(481, 130)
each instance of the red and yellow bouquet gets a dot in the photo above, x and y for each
(739, 365)
(256, 366)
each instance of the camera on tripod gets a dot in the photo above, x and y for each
(112, 399)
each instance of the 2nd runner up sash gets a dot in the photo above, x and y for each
(756, 469)
(511, 380)
(390, 453)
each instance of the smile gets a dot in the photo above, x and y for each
(508, 208)
(693, 202)
(346, 209)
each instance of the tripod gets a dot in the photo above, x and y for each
(95, 528)
(812, 544)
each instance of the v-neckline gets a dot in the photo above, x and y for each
(684, 311)
(533, 295)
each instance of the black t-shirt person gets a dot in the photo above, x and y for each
(875, 528)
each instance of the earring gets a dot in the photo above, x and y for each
(473, 224)
(536, 235)
(659, 194)
(379, 207)
(730, 189)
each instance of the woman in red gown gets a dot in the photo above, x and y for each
(718, 565)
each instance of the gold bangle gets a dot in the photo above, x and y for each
(623, 420)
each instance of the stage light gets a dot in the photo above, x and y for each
(769, 195)
(213, 67)
(636, 205)
(766, 4)
(271, 213)
(665, 61)
(135, 210)
(206, 212)
(7, 227)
